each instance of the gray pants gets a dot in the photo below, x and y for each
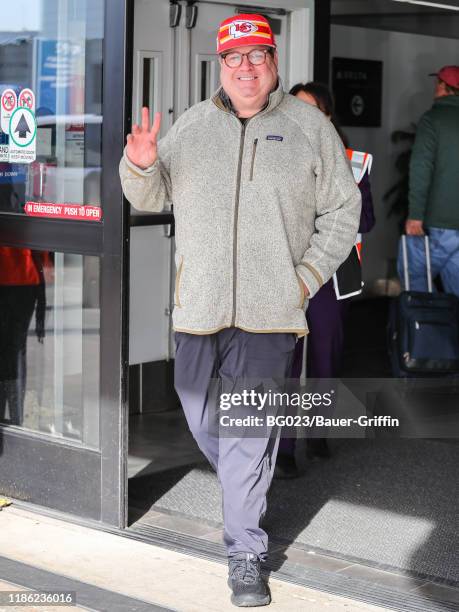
(244, 465)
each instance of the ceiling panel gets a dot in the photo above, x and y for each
(349, 7)
(399, 16)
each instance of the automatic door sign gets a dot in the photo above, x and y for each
(8, 103)
(22, 133)
(26, 99)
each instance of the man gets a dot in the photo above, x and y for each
(266, 209)
(434, 187)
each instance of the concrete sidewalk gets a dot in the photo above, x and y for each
(136, 572)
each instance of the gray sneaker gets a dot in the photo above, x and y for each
(249, 588)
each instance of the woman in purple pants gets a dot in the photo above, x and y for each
(325, 314)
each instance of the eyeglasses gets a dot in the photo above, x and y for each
(256, 57)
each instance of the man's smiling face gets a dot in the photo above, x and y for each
(248, 86)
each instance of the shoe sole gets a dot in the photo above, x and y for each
(247, 601)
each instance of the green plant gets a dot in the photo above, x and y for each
(397, 195)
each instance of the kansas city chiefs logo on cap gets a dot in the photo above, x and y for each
(242, 28)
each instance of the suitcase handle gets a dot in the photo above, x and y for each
(428, 264)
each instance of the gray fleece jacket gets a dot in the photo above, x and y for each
(258, 206)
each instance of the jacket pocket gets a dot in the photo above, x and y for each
(252, 163)
(177, 283)
(302, 293)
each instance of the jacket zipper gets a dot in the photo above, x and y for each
(254, 151)
(236, 215)
(236, 205)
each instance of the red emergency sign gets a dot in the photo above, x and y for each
(63, 211)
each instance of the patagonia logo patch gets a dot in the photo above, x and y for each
(274, 137)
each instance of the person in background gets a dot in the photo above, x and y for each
(434, 187)
(22, 291)
(325, 314)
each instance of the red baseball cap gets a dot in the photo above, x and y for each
(244, 30)
(449, 75)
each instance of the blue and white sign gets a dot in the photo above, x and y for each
(46, 75)
(56, 67)
(10, 174)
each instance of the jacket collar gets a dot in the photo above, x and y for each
(223, 102)
(447, 101)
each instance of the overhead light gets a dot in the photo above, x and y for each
(431, 4)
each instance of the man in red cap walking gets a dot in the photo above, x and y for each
(266, 209)
(434, 187)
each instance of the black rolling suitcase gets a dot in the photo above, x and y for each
(423, 329)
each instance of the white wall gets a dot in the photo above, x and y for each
(407, 93)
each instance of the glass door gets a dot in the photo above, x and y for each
(62, 223)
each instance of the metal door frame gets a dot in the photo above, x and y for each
(99, 475)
